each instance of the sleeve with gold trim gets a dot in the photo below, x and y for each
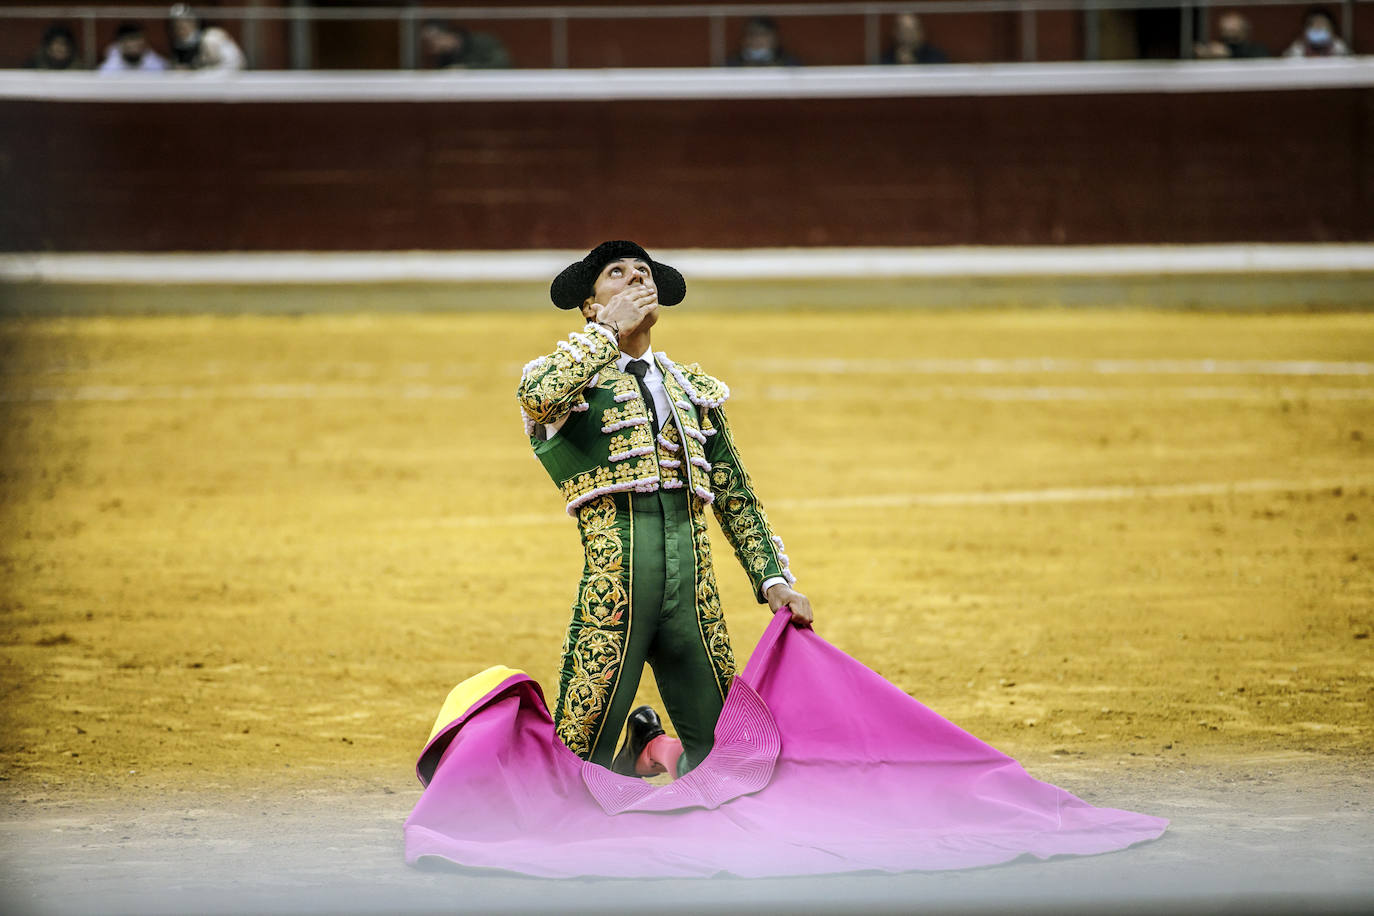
(736, 505)
(551, 385)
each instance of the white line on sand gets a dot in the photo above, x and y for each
(309, 391)
(1059, 393)
(1034, 365)
(1116, 493)
(365, 372)
(262, 392)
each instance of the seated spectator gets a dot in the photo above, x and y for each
(1318, 38)
(761, 46)
(130, 51)
(1233, 40)
(57, 50)
(909, 45)
(198, 46)
(449, 47)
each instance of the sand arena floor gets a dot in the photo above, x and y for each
(242, 553)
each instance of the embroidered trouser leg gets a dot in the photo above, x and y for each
(647, 595)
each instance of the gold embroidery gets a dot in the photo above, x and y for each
(691, 429)
(630, 410)
(696, 477)
(597, 655)
(678, 395)
(584, 483)
(689, 422)
(632, 438)
(617, 382)
(552, 385)
(741, 517)
(602, 619)
(671, 474)
(629, 470)
(710, 619)
(670, 435)
(708, 388)
(623, 475)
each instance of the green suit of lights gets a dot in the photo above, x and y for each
(648, 590)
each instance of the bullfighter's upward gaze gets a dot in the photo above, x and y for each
(639, 446)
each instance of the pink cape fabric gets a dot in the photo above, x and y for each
(820, 766)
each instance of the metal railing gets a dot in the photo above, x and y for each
(1192, 20)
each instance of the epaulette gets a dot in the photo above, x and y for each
(703, 390)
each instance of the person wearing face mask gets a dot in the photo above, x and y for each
(639, 449)
(761, 46)
(1318, 38)
(1232, 42)
(130, 51)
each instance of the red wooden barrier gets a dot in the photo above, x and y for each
(1077, 169)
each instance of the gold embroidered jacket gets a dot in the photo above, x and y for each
(607, 445)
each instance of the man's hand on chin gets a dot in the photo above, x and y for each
(781, 595)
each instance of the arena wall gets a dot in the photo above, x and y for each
(1141, 167)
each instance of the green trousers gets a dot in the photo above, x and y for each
(637, 603)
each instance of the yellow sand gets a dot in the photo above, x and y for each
(262, 549)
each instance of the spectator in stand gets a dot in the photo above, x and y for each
(761, 46)
(909, 45)
(1318, 38)
(130, 51)
(1232, 41)
(57, 50)
(199, 46)
(452, 47)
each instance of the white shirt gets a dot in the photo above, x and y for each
(653, 380)
(115, 62)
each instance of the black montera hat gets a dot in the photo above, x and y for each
(572, 287)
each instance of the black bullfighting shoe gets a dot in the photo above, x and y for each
(641, 727)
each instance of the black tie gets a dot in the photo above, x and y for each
(637, 368)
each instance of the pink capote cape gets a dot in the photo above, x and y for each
(820, 766)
